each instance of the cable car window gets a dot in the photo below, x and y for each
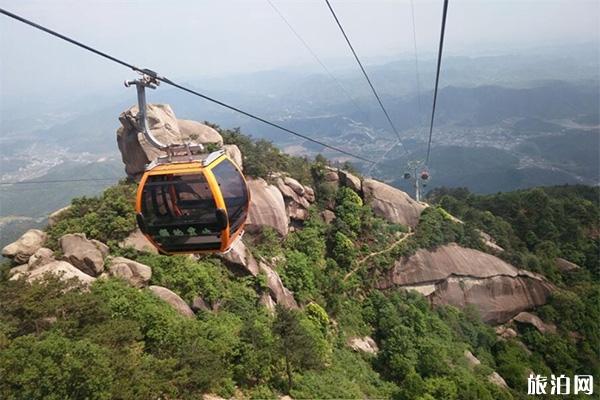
(234, 191)
(180, 212)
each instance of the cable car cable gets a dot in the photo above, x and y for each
(417, 74)
(363, 70)
(437, 79)
(174, 84)
(61, 181)
(317, 59)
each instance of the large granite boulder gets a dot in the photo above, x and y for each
(351, 181)
(240, 257)
(267, 208)
(363, 344)
(139, 242)
(565, 265)
(62, 269)
(173, 299)
(535, 321)
(460, 276)
(85, 254)
(234, 153)
(392, 204)
(297, 197)
(136, 152)
(135, 273)
(25, 246)
(55, 216)
(277, 290)
(198, 132)
(41, 257)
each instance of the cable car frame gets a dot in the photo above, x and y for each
(189, 200)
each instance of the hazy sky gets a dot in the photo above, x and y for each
(198, 39)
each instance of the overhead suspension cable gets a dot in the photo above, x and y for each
(61, 181)
(437, 79)
(418, 76)
(174, 84)
(317, 59)
(363, 69)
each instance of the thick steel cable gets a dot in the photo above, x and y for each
(437, 79)
(174, 84)
(363, 69)
(316, 57)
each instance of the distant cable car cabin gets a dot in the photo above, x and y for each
(195, 206)
(188, 201)
(424, 175)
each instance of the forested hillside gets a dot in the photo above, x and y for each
(346, 339)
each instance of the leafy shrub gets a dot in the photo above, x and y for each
(108, 217)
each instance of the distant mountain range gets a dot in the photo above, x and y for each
(504, 122)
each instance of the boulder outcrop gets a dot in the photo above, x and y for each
(173, 299)
(460, 276)
(565, 265)
(198, 132)
(25, 246)
(297, 197)
(56, 215)
(279, 293)
(41, 257)
(135, 273)
(363, 344)
(494, 377)
(240, 257)
(62, 269)
(83, 253)
(139, 242)
(234, 153)
(535, 321)
(136, 152)
(392, 204)
(267, 208)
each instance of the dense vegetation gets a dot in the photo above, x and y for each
(112, 341)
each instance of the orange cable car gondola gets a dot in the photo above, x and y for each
(189, 201)
(193, 207)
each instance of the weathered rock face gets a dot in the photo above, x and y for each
(41, 257)
(351, 181)
(54, 217)
(391, 204)
(267, 208)
(505, 332)
(139, 242)
(25, 246)
(297, 197)
(62, 269)
(233, 152)
(198, 132)
(135, 273)
(363, 344)
(173, 299)
(494, 377)
(459, 276)
(279, 293)
(566, 266)
(198, 304)
(239, 256)
(535, 321)
(267, 301)
(86, 255)
(136, 152)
